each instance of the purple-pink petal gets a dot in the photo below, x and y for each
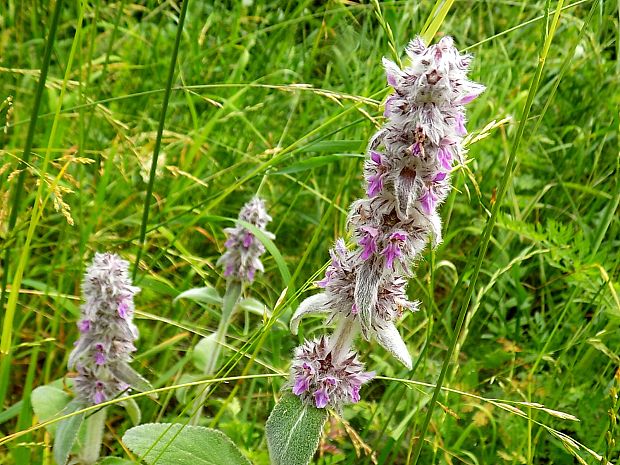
(376, 157)
(301, 385)
(398, 236)
(460, 125)
(248, 238)
(321, 398)
(388, 105)
(428, 201)
(123, 309)
(369, 242)
(375, 184)
(466, 99)
(84, 326)
(416, 149)
(392, 250)
(440, 176)
(354, 392)
(445, 157)
(391, 79)
(99, 393)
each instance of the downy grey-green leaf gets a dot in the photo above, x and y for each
(293, 431)
(176, 444)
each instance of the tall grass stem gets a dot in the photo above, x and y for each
(160, 131)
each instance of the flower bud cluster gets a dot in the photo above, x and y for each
(407, 176)
(243, 250)
(107, 332)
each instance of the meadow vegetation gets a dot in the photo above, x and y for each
(279, 99)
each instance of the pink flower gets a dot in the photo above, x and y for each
(393, 250)
(369, 241)
(428, 200)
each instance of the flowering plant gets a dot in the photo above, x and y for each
(100, 358)
(407, 176)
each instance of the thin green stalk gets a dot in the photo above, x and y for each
(486, 235)
(233, 293)
(5, 343)
(160, 131)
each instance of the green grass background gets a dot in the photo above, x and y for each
(279, 98)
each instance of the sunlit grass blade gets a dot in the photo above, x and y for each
(5, 343)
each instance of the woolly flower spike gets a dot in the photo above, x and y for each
(407, 176)
(325, 378)
(241, 259)
(408, 167)
(103, 351)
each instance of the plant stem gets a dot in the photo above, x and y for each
(233, 292)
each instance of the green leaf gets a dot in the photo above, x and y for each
(315, 162)
(255, 306)
(133, 410)
(293, 431)
(207, 294)
(115, 461)
(130, 376)
(67, 433)
(47, 403)
(94, 426)
(176, 444)
(203, 351)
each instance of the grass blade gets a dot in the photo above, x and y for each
(160, 131)
(486, 235)
(5, 343)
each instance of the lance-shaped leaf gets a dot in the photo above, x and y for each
(133, 410)
(293, 431)
(389, 338)
(130, 376)
(313, 304)
(67, 432)
(207, 294)
(365, 295)
(48, 402)
(405, 186)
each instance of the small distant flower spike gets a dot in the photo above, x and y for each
(407, 175)
(241, 260)
(107, 332)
